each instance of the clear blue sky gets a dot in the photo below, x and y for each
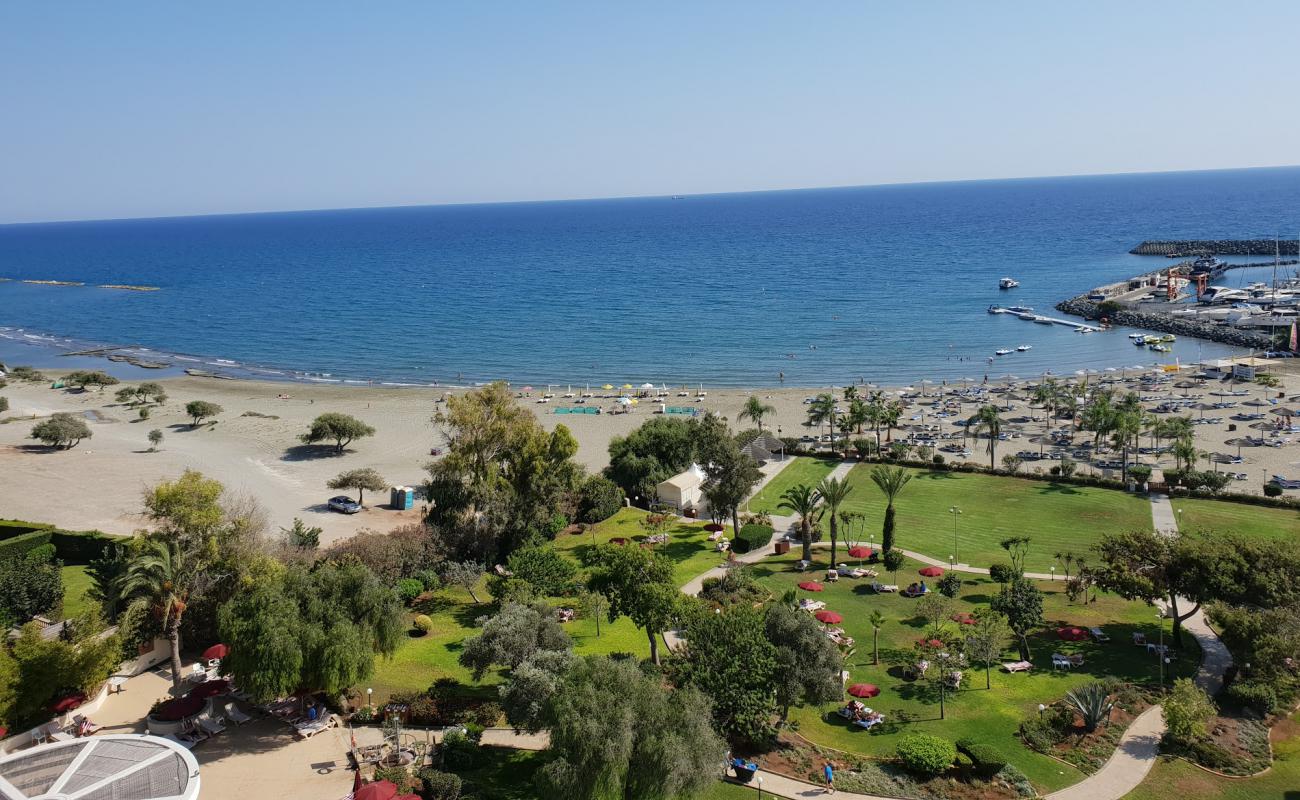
(160, 108)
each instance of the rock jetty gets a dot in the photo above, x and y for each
(1179, 248)
(1167, 323)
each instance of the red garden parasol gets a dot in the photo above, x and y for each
(210, 689)
(864, 690)
(179, 709)
(68, 703)
(379, 790)
(930, 642)
(713, 527)
(1072, 634)
(216, 651)
(931, 572)
(811, 586)
(829, 617)
(860, 552)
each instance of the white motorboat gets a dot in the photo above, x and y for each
(1022, 348)
(1008, 283)
(1001, 352)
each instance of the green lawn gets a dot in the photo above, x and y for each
(1247, 520)
(1176, 778)
(989, 716)
(801, 470)
(1057, 517)
(76, 583)
(421, 660)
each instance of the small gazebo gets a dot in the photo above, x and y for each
(765, 448)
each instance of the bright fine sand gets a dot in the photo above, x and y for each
(98, 483)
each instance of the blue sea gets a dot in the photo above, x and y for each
(889, 283)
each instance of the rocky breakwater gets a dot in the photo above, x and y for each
(1179, 248)
(1165, 322)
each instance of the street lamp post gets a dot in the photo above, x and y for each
(760, 787)
(955, 511)
(1160, 619)
(370, 700)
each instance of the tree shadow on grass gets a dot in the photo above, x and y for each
(1058, 488)
(467, 616)
(432, 604)
(936, 475)
(310, 452)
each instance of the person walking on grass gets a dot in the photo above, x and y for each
(830, 778)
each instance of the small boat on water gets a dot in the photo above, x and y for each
(1161, 348)
(1043, 320)
(1022, 348)
(1168, 337)
(1008, 283)
(1001, 352)
(1020, 309)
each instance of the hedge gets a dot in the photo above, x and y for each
(71, 547)
(20, 545)
(10, 528)
(988, 761)
(926, 755)
(752, 537)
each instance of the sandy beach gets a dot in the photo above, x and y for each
(253, 448)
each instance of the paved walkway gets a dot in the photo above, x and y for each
(1162, 514)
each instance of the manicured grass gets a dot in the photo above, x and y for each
(801, 470)
(988, 716)
(1176, 778)
(1240, 518)
(1056, 517)
(76, 585)
(421, 660)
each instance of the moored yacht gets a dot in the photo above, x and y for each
(1008, 283)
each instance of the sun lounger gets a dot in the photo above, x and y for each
(1099, 635)
(186, 743)
(306, 730)
(1061, 663)
(212, 726)
(1139, 639)
(811, 605)
(881, 588)
(1158, 649)
(232, 713)
(917, 592)
(1017, 666)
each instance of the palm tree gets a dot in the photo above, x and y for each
(851, 392)
(804, 501)
(756, 409)
(891, 481)
(833, 493)
(1126, 427)
(890, 415)
(876, 414)
(877, 621)
(988, 419)
(822, 411)
(857, 414)
(160, 574)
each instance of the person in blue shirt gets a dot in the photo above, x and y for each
(830, 778)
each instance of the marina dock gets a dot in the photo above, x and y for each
(1043, 320)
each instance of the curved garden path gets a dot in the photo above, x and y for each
(1138, 747)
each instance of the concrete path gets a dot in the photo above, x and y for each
(1162, 514)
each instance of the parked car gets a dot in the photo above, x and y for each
(344, 505)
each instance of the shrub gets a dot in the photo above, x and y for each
(987, 760)
(429, 578)
(1002, 572)
(599, 499)
(1257, 696)
(1209, 754)
(459, 750)
(949, 585)
(925, 754)
(1272, 490)
(1187, 709)
(409, 589)
(488, 714)
(398, 776)
(1017, 780)
(424, 624)
(751, 537)
(545, 568)
(937, 459)
(439, 785)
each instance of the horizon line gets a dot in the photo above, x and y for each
(592, 199)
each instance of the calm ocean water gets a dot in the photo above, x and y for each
(887, 283)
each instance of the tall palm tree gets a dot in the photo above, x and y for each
(804, 501)
(857, 413)
(876, 414)
(755, 409)
(1125, 429)
(988, 420)
(821, 411)
(890, 415)
(891, 481)
(160, 574)
(851, 392)
(833, 493)
(877, 621)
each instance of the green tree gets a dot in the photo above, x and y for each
(808, 665)
(652, 453)
(821, 411)
(987, 639)
(545, 568)
(728, 657)
(155, 439)
(599, 499)
(729, 475)
(893, 562)
(755, 409)
(316, 627)
(834, 492)
(359, 479)
(803, 501)
(301, 535)
(342, 429)
(30, 584)
(86, 378)
(617, 732)
(46, 668)
(61, 430)
(465, 574)
(199, 410)
(877, 621)
(161, 573)
(514, 635)
(988, 420)
(891, 481)
(1021, 602)
(639, 585)
(1017, 548)
(1145, 565)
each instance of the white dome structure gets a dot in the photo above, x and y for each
(118, 767)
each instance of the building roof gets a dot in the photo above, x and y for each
(117, 767)
(687, 479)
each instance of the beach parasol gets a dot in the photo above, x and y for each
(627, 386)
(1072, 634)
(647, 386)
(930, 572)
(527, 388)
(379, 790)
(713, 527)
(860, 552)
(811, 586)
(216, 651)
(864, 690)
(607, 387)
(829, 617)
